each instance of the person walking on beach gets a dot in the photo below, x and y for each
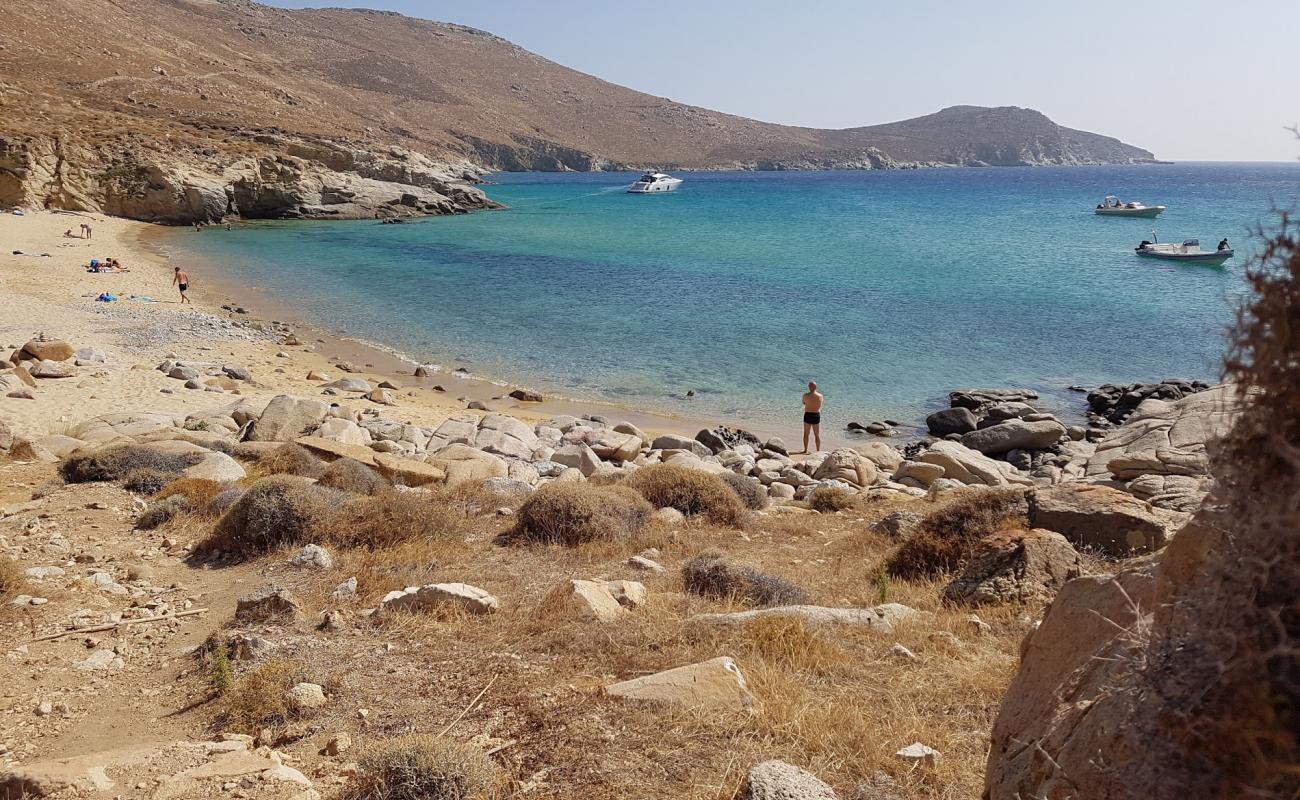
(812, 415)
(90, 234)
(181, 280)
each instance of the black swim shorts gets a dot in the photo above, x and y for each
(184, 286)
(812, 417)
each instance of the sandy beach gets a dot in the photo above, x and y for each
(54, 295)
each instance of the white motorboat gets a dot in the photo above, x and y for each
(1189, 251)
(653, 183)
(1112, 206)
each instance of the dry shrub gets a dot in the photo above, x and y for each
(751, 492)
(145, 481)
(199, 491)
(12, 582)
(421, 767)
(946, 536)
(275, 511)
(222, 501)
(396, 516)
(291, 459)
(574, 513)
(259, 699)
(829, 499)
(350, 475)
(715, 575)
(160, 511)
(1225, 650)
(691, 491)
(115, 463)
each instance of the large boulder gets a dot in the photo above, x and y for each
(885, 458)
(881, 618)
(847, 464)
(713, 685)
(1015, 566)
(470, 599)
(777, 780)
(1167, 438)
(1061, 725)
(454, 430)
(463, 464)
(217, 467)
(505, 436)
(343, 430)
(53, 369)
(1014, 434)
(1102, 519)
(53, 350)
(971, 467)
(952, 420)
(286, 418)
(981, 399)
(614, 446)
(672, 441)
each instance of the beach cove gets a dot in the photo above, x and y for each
(889, 288)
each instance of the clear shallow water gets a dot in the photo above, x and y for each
(888, 288)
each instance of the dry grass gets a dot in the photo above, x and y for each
(12, 582)
(161, 511)
(691, 491)
(395, 517)
(115, 463)
(946, 536)
(199, 491)
(571, 514)
(259, 698)
(145, 481)
(290, 459)
(829, 499)
(350, 475)
(420, 768)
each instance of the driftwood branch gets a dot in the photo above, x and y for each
(108, 626)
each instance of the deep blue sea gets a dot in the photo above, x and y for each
(888, 288)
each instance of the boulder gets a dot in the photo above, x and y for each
(305, 696)
(1100, 518)
(312, 556)
(53, 369)
(409, 471)
(980, 399)
(343, 430)
(1015, 566)
(1060, 711)
(383, 397)
(217, 467)
(960, 463)
(672, 441)
(271, 604)
(236, 372)
(777, 780)
(527, 396)
(286, 418)
(349, 385)
(899, 525)
(847, 464)
(589, 601)
(885, 458)
(89, 356)
(713, 685)
(439, 595)
(880, 618)
(615, 446)
(919, 471)
(183, 372)
(505, 436)
(454, 430)
(41, 350)
(463, 464)
(1014, 434)
(1167, 438)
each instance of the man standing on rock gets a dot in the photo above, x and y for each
(812, 415)
(181, 280)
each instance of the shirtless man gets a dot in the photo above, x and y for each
(812, 415)
(182, 281)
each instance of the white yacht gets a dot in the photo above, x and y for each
(654, 182)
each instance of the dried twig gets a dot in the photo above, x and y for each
(467, 708)
(108, 626)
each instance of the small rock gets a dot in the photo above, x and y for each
(902, 652)
(777, 780)
(919, 753)
(644, 564)
(341, 742)
(306, 695)
(312, 556)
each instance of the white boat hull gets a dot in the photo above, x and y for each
(1214, 258)
(1147, 212)
(659, 186)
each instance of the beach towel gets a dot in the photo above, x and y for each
(106, 298)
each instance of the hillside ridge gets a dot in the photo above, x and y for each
(185, 110)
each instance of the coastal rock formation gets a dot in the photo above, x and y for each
(1015, 566)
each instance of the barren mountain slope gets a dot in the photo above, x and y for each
(106, 102)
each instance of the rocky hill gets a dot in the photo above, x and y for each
(178, 110)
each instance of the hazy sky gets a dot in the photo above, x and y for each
(1186, 79)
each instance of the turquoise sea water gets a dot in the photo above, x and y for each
(888, 288)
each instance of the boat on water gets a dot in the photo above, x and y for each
(653, 183)
(1112, 206)
(1189, 251)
